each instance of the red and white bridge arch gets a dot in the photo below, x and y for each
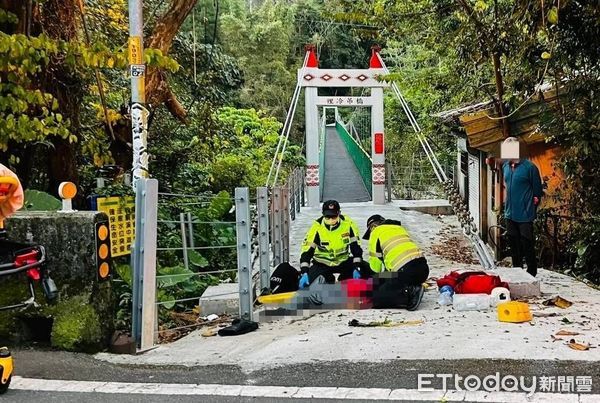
(311, 78)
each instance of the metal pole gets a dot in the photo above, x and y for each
(388, 179)
(263, 236)
(186, 262)
(144, 264)
(285, 224)
(136, 297)
(292, 187)
(242, 212)
(299, 180)
(190, 223)
(276, 205)
(137, 70)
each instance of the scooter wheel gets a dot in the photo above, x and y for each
(4, 386)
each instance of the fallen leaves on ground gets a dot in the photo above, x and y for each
(566, 321)
(183, 323)
(563, 332)
(544, 314)
(558, 301)
(454, 249)
(578, 346)
(211, 331)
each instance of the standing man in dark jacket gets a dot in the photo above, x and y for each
(523, 195)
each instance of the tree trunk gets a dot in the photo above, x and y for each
(157, 88)
(167, 26)
(58, 18)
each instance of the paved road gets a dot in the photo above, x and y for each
(342, 180)
(396, 374)
(61, 397)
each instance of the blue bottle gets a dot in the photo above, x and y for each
(446, 293)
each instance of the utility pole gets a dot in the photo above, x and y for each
(139, 128)
(137, 70)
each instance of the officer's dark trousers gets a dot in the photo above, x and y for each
(345, 270)
(392, 289)
(522, 244)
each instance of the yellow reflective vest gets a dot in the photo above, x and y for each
(390, 248)
(331, 247)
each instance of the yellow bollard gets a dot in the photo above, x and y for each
(514, 312)
(6, 369)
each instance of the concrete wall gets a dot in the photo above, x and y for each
(83, 319)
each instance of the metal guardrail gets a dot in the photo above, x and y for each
(275, 209)
(413, 182)
(204, 249)
(194, 251)
(361, 159)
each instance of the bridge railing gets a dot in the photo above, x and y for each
(361, 159)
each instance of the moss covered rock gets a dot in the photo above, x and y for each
(70, 243)
(76, 326)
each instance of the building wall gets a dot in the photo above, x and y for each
(545, 157)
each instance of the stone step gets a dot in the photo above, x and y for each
(520, 283)
(219, 299)
(432, 207)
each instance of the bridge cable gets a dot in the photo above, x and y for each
(469, 228)
(285, 131)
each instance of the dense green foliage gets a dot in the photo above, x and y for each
(231, 68)
(443, 54)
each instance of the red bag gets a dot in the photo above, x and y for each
(471, 282)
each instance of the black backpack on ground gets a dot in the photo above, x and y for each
(284, 278)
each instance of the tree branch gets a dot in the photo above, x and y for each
(167, 26)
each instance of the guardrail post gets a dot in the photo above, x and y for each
(285, 224)
(388, 180)
(303, 187)
(262, 207)
(184, 248)
(300, 189)
(144, 264)
(276, 241)
(242, 226)
(292, 196)
(190, 222)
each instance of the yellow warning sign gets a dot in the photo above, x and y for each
(121, 215)
(135, 50)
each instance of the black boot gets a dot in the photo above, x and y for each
(415, 296)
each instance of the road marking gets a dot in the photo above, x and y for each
(292, 392)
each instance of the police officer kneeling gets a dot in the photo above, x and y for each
(332, 245)
(399, 265)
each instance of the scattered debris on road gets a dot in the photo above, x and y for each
(210, 332)
(385, 323)
(578, 346)
(455, 249)
(566, 333)
(558, 301)
(183, 323)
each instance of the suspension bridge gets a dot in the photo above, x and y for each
(345, 160)
(338, 165)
